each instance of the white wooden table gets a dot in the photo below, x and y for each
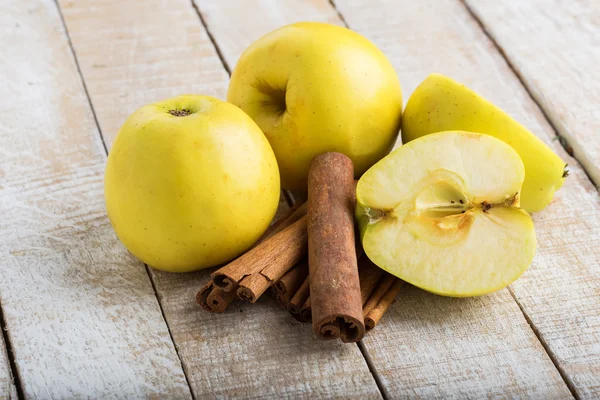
(81, 317)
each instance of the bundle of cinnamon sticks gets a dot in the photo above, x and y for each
(311, 263)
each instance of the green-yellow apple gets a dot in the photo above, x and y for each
(441, 104)
(442, 212)
(190, 182)
(314, 87)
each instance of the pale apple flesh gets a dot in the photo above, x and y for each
(442, 213)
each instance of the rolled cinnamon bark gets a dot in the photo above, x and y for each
(373, 317)
(382, 288)
(370, 274)
(334, 281)
(270, 260)
(306, 311)
(229, 276)
(202, 295)
(218, 299)
(296, 303)
(291, 281)
(213, 299)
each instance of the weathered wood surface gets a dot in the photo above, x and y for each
(249, 351)
(559, 293)
(132, 54)
(7, 388)
(81, 313)
(554, 46)
(428, 345)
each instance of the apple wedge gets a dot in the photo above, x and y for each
(442, 213)
(442, 104)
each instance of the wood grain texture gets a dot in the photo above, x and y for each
(250, 351)
(133, 54)
(81, 313)
(428, 346)
(559, 62)
(559, 292)
(237, 23)
(7, 387)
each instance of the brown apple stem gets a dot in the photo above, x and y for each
(229, 276)
(373, 317)
(274, 257)
(300, 297)
(334, 281)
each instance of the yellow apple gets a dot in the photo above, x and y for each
(190, 182)
(314, 87)
(440, 104)
(442, 212)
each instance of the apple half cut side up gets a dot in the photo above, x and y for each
(442, 213)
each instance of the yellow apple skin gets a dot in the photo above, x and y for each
(440, 104)
(191, 191)
(314, 87)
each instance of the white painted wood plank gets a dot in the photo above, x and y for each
(81, 313)
(236, 24)
(7, 388)
(250, 351)
(132, 54)
(555, 47)
(427, 346)
(559, 292)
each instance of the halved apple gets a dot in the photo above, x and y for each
(442, 213)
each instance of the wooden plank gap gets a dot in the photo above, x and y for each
(16, 377)
(561, 139)
(87, 94)
(340, 16)
(373, 370)
(212, 38)
(162, 311)
(85, 89)
(565, 377)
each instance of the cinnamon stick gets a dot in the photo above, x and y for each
(286, 287)
(203, 295)
(214, 299)
(229, 276)
(296, 303)
(373, 317)
(334, 281)
(218, 299)
(382, 288)
(306, 311)
(291, 281)
(370, 274)
(269, 261)
(289, 217)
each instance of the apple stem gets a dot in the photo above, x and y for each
(180, 113)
